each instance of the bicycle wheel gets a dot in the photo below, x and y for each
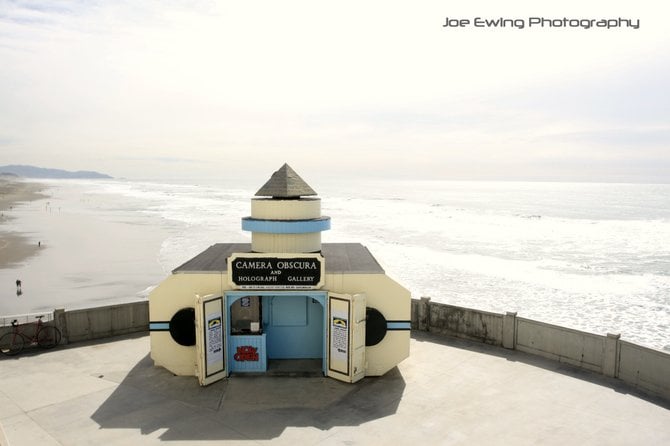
(11, 343)
(48, 337)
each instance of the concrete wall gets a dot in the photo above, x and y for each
(91, 323)
(644, 368)
(564, 345)
(459, 322)
(102, 322)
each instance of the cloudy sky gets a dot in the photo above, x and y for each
(166, 89)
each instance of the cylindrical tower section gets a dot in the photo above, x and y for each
(286, 222)
(264, 242)
(278, 209)
(279, 225)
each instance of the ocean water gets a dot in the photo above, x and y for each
(594, 257)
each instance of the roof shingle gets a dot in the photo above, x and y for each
(285, 183)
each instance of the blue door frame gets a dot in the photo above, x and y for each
(320, 296)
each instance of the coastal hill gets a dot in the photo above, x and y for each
(41, 172)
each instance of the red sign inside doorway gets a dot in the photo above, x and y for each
(246, 353)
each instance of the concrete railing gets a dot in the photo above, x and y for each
(91, 323)
(644, 368)
(102, 322)
(457, 321)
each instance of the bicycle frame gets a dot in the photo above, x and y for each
(45, 336)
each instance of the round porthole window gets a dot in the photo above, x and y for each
(182, 327)
(375, 326)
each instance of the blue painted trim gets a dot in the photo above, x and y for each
(398, 325)
(286, 226)
(159, 326)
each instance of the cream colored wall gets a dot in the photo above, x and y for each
(393, 301)
(263, 242)
(178, 291)
(274, 209)
(382, 292)
(387, 354)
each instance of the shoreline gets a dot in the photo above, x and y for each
(99, 252)
(14, 246)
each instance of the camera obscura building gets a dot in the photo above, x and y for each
(240, 307)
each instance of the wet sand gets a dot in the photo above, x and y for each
(15, 247)
(94, 251)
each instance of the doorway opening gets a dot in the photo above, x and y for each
(279, 333)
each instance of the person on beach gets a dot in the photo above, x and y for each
(18, 287)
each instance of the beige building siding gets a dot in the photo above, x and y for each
(387, 354)
(174, 293)
(178, 291)
(296, 243)
(273, 209)
(393, 301)
(383, 293)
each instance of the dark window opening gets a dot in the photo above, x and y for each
(182, 327)
(375, 326)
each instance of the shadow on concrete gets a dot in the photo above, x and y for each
(537, 361)
(243, 407)
(31, 350)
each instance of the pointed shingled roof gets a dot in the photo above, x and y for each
(285, 183)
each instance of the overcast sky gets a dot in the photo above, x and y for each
(166, 89)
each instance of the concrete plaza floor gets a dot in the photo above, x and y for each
(449, 392)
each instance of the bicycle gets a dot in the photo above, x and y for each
(45, 336)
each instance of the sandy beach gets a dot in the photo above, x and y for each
(91, 251)
(15, 247)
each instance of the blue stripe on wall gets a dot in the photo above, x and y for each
(286, 226)
(398, 325)
(159, 326)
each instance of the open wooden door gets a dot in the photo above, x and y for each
(210, 339)
(346, 337)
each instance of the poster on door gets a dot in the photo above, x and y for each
(339, 335)
(213, 336)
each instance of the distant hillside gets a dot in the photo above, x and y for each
(40, 172)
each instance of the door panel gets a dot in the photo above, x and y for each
(346, 336)
(210, 339)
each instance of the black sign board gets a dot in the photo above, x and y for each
(276, 272)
